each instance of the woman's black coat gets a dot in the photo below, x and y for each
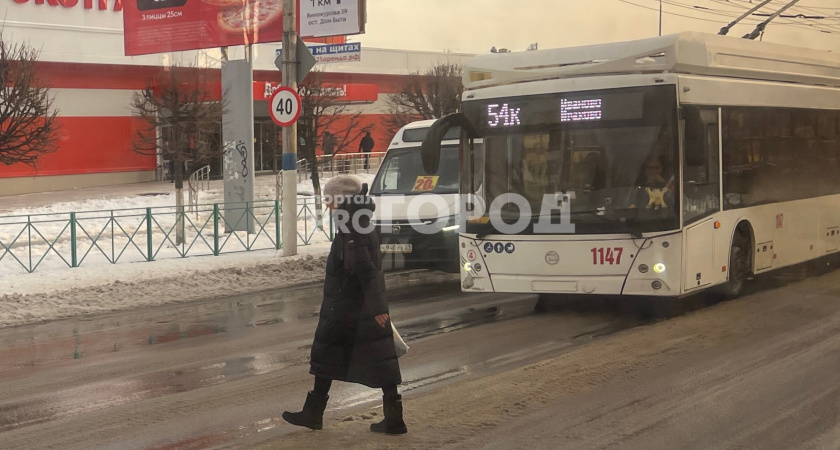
(349, 344)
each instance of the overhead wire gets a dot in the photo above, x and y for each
(811, 25)
(743, 16)
(731, 4)
(747, 2)
(702, 10)
(667, 12)
(801, 14)
(803, 9)
(758, 31)
(832, 23)
(823, 23)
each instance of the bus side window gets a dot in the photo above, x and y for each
(700, 171)
(472, 168)
(390, 178)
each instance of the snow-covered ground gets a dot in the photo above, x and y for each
(55, 290)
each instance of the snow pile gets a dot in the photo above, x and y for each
(50, 296)
(55, 291)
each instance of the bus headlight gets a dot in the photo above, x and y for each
(467, 266)
(451, 224)
(659, 267)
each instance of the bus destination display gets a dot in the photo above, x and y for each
(577, 110)
(494, 115)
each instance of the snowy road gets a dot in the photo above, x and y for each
(483, 372)
(222, 371)
(759, 372)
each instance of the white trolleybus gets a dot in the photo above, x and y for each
(657, 167)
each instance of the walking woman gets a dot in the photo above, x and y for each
(354, 341)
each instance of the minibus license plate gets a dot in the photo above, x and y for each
(395, 248)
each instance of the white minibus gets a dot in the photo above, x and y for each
(416, 212)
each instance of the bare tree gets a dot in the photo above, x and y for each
(28, 126)
(428, 95)
(181, 116)
(322, 110)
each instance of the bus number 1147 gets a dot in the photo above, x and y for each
(601, 255)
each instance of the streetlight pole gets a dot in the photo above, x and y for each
(289, 73)
(660, 17)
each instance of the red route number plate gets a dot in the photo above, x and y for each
(606, 255)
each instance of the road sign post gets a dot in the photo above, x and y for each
(289, 162)
(294, 64)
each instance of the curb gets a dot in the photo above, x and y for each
(403, 279)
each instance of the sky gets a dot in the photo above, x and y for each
(474, 26)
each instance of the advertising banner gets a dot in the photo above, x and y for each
(346, 93)
(334, 53)
(160, 26)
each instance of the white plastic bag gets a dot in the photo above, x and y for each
(402, 347)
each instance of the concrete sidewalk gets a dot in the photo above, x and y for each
(38, 199)
(264, 187)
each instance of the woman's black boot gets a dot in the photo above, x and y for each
(393, 422)
(312, 415)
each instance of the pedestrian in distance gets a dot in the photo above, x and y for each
(366, 146)
(328, 143)
(170, 167)
(169, 163)
(354, 339)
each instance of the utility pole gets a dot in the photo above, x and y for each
(660, 17)
(290, 143)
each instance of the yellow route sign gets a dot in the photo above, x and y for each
(425, 183)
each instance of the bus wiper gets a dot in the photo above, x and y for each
(600, 213)
(486, 228)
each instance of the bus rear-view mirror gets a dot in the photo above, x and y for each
(430, 149)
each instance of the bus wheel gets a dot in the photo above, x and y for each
(548, 303)
(657, 308)
(739, 264)
(819, 266)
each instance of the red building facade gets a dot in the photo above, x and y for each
(83, 63)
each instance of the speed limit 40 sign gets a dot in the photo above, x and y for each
(284, 106)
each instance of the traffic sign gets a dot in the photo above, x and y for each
(284, 106)
(305, 60)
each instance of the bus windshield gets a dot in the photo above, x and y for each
(613, 154)
(401, 173)
(418, 134)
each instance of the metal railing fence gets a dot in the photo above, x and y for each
(147, 234)
(342, 163)
(198, 181)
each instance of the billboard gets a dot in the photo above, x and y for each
(318, 18)
(160, 26)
